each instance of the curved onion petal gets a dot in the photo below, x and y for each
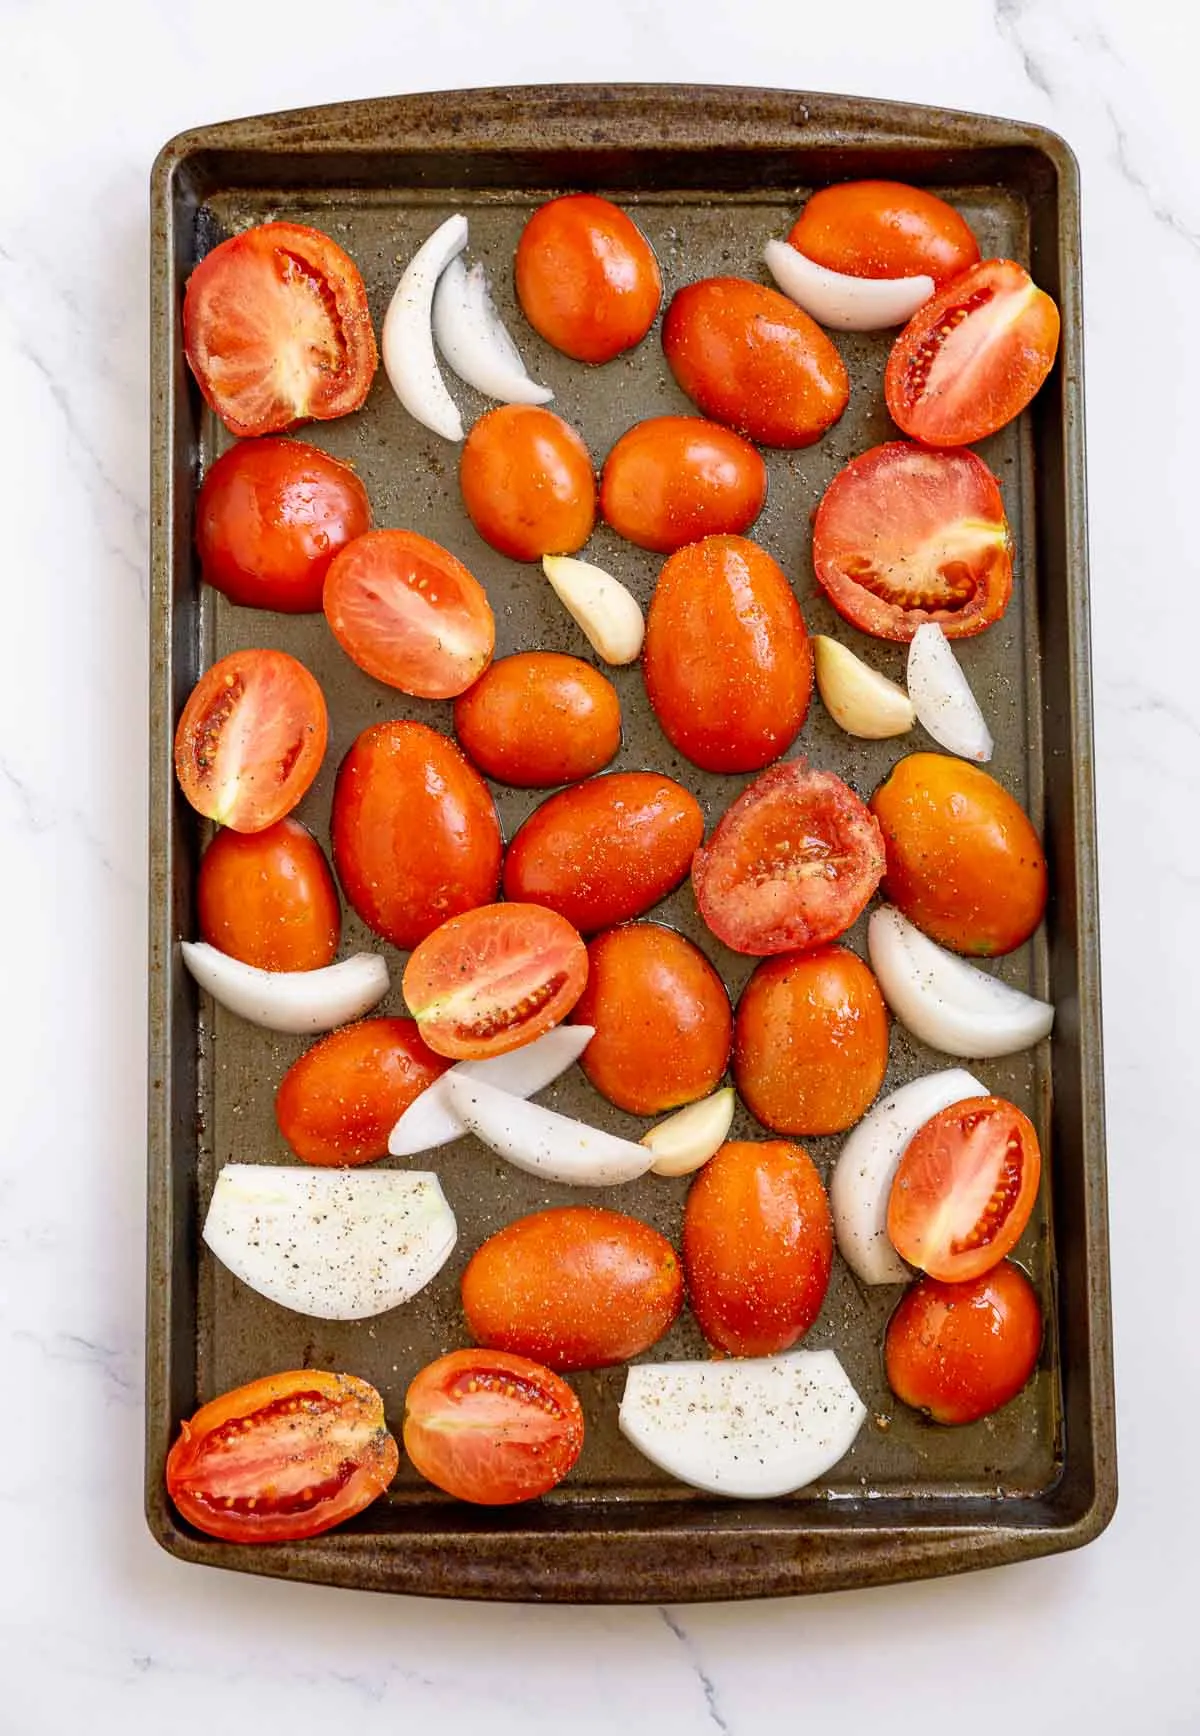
(843, 303)
(407, 337)
(609, 616)
(430, 1121)
(475, 341)
(555, 1147)
(687, 1139)
(942, 696)
(289, 1000)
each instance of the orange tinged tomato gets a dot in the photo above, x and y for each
(960, 1351)
(884, 229)
(539, 719)
(587, 278)
(811, 1041)
(268, 898)
(415, 835)
(757, 1247)
(963, 861)
(527, 483)
(575, 1287)
(727, 662)
(674, 479)
(340, 1100)
(605, 850)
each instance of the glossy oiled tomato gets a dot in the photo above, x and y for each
(410, 614)
(662, 1018)
(792, 863)
(282, 1458)
(965, 1189)
(757, 1246)
(339, 1101)
(606, 850)
(811, 1041)
(576, 1287)
(749, 357)
(269, 898)
(972, 358)
(727, 662)
(587, 277)
(415, 834)
(539, 719)
(277, 330)
(675, 479)
(491, 1428)
(527, 483)
(251, 739)
(494, 979)
(960, 1351)
(884, 229)
(963, 861)
(903, 536)
(270, 516)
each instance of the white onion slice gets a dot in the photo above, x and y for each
(692, 1135)
(609, 616)
(407, 337)
(942, 696)
(475, 341)
(750, 1429)
(336, 1244)
(863, 1174)
(289, 1000)
(555, 1147)
(841, 302)
(430, 1121)
(946, 1002)
(858, 698)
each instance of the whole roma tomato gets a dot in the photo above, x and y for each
(605, 850)
(960, 1351)
(539, 719)
(415, 835)
(587, 278)
(574, 1287)
(527, 483)
(340, 1100)
(749, 357)
(884, 229)
(757, 1246)
(726, 659)
(270, 516)
(269, 899)
(811, 1041)
(963, 861)
(674, 479)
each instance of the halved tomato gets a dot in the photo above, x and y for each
(884, 229)
(494, 979)
(972, 358)
(903, 536)
(277, 330)
(251, 739)
(960, 1351)
(791, 864)
(282, 1458)
(338, 1103)
(490, 1427)
(965, 1189)
(409, 613)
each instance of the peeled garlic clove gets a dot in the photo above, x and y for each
(845, 304)
(690, 1137)
(860, 699)
(607, 613)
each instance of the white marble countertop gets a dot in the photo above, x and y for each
(98, 1629)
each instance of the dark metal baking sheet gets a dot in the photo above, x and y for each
(709, 173)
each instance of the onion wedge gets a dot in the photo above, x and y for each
(942, 696)
(858, 698)
(475, 341)
(687, 1139)
(946, 1002)
(862, 1176)
(407, 337)
(555, 1147)
(608, 615)
(430, 1121)
(336, 1244)
(751, 1429)
(843, 303)
(289, 1000)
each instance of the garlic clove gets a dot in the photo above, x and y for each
(858, 698)
(608, 615)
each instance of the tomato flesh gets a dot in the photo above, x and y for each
(491, 1428)
(965, 1189)
(674, 479)
(960, 1351)
(903, 536)
(283, 1458)
(539, 719)
(884, 229)
(338, 1103)
(587, 278)
(268, 898)
(527, 483)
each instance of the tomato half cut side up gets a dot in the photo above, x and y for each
(283, 1458)
(494, 978)
(972, 358)
(491, 1427)
(251, 739)
(904, 536)
(965, 1189)
(791, 864)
